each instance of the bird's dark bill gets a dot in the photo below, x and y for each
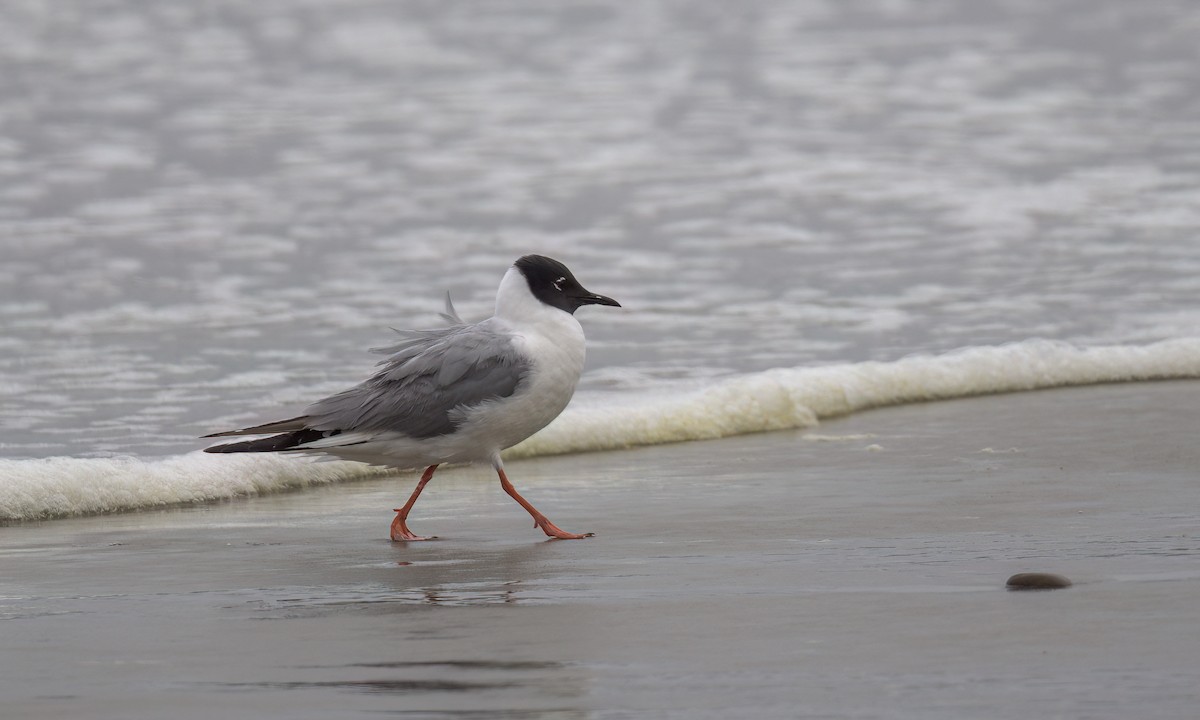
(593, 299)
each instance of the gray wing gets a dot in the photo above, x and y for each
(429, 378)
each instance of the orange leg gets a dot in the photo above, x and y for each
(400, 531)
(539, 520)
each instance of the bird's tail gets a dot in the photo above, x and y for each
(275, 443)
(285, 435)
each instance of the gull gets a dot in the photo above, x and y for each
(458, 394)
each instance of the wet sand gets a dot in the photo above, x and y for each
(853, 571)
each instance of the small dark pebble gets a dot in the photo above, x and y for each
(1037, 581)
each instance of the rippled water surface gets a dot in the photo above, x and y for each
(209, 210)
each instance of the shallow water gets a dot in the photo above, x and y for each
(208, 212)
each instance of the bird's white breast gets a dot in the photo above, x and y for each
(553, 343)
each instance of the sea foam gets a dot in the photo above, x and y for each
(791, 398)
(65, 486)
(779, 399)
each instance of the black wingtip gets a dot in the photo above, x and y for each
(280, 426)
(275, 443)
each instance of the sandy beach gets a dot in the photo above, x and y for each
(853, 571)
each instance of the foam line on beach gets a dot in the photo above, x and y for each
(793, 398)
(64, 486)
(779, 399)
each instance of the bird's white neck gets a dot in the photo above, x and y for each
(517, 308)
(517, 305)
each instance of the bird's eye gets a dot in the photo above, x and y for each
(556, 284)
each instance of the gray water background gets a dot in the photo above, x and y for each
(209, 210)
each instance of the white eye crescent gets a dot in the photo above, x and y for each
(556, 284)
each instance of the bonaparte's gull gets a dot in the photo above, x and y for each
(457, 394)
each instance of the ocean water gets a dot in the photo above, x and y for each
(209, 211)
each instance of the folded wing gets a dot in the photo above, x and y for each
(428, 377)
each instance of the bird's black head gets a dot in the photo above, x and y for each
(551, 282)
